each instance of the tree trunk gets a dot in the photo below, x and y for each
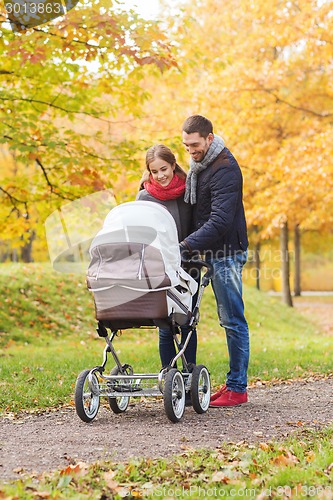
(297, 276)
(26, 250)
(286, 295)
(14, 255)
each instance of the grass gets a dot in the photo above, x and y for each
(47, 337)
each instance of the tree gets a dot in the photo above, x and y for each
(261, 71)
(67, 89)
(297, 250)
(285, 266)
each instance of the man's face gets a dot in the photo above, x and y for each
(196, 145)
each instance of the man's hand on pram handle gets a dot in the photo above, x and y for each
(185, 252)
(187, 256)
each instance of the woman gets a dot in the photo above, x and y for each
(164, 182)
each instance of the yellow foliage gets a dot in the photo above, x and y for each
(261, 71)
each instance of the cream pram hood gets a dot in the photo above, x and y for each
(137, 253)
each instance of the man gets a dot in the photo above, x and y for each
(215, 187)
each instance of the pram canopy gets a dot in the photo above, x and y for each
(135, 270)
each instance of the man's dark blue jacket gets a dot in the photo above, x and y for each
(219, 224)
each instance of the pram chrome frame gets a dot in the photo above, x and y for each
(178, 388)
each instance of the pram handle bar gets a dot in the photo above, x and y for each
(208, 274)
(204, 283)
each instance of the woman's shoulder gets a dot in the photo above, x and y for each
(144, 196)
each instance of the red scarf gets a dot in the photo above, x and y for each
(173, 190)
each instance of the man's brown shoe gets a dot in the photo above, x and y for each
(229, 398)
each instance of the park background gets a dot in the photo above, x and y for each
(84, 96)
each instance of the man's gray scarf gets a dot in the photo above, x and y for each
(196, 167)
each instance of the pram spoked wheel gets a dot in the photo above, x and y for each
(87, 396)
(200, 389)
(119, 404)
(174, 395)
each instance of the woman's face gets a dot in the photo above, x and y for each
(162, 171)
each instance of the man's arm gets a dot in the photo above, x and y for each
(226, 187)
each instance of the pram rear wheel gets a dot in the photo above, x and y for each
(87, 396)
(174, 395)
(200, 389)
(120, 403)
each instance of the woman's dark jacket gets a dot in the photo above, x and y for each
(219, 224)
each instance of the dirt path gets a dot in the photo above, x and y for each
(318, 309)
(55, 439)
(52, 440)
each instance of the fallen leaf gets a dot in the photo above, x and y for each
(310, 456)
(218, 476)
(167, 473)
(18, 470)
(285, 460)
(108, 478)
(136, 494)
(329, 468)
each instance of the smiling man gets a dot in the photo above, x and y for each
(215, 187)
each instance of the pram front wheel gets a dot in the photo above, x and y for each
(174, 395)
(118, 404)
(200, 389)
(87, 396)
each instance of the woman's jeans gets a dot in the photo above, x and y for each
(167, 346)
(227, 286)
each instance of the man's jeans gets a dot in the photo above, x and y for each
(227, 286)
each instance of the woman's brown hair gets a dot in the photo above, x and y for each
(164, 153)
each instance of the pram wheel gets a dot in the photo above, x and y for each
(118, 404)
(174, 395)
(87, 396)
(200, 388)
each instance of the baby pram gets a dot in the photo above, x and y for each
(136, 278)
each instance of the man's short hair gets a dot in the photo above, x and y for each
(198, 123)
